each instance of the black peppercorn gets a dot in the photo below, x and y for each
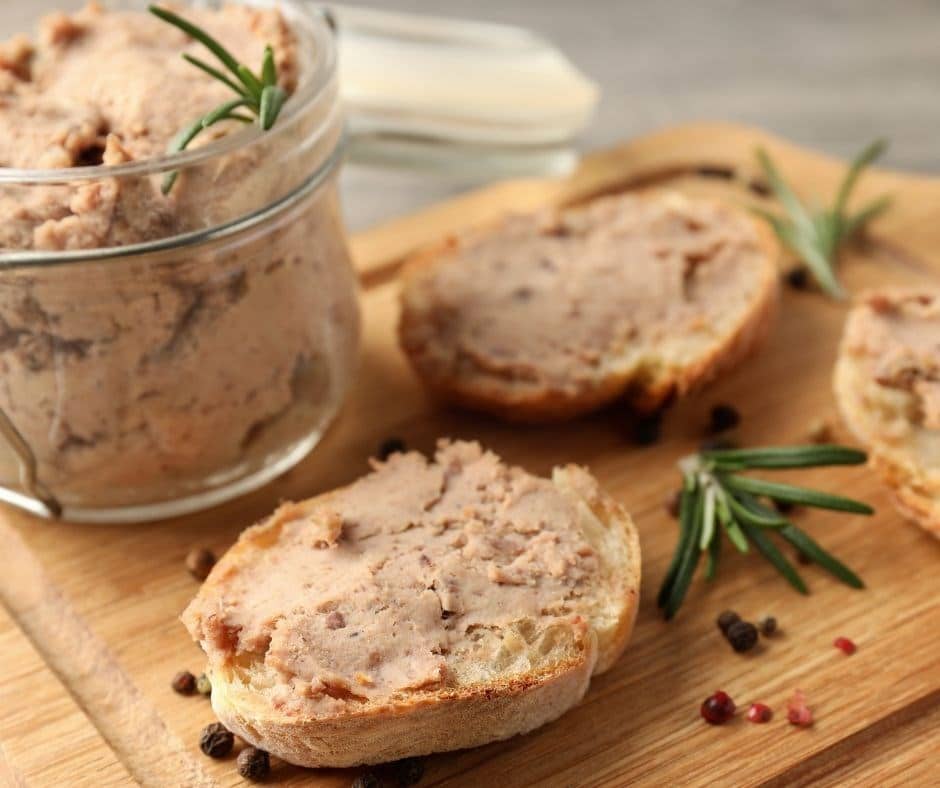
(408, 771)
(798, 278)
(216, 740)
(199, 562)
(253, 764)
(391, 446)
(742, 635)
(767, 626)
(723, 417)
(367, 780)
(647, 429)
(784, 507)
(184, 683)
(726, 619)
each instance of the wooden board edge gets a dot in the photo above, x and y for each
(688, 148)
(33, 756)
(122, 714)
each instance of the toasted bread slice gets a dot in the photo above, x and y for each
(552, 315)
(887, 384)
(430, 606)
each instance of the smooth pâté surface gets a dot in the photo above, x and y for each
(511, 320)
(101, 605)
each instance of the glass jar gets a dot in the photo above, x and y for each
(154, 378)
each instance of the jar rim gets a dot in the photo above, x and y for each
(32, 258)
(312, 88)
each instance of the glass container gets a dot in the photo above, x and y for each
(204, 346)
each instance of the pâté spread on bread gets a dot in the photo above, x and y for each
(425, 593)
(165, 346)
(549, 315)
(887, 384)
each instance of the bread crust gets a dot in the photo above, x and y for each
(910, 493)
(499, 397)
(432, 720)
(609, 511)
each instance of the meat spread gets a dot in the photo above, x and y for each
(384, 587)
(553, 301)
(109, 87)
(896, 335)
(163, 374)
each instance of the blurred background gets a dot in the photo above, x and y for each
(830, 74)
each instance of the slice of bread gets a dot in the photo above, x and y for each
(430, 606)
(887, 385)
(552, 315)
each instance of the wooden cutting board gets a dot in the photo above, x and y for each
(91, 639)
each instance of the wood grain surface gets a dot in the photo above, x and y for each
(91, 638)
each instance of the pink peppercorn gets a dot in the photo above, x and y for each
(759, 712)
(844, 645)
(717, 709)
(798, 713)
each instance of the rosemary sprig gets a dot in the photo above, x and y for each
(716, 497)
(815, 237)
(258, 95)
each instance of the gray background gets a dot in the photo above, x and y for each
(831, 74)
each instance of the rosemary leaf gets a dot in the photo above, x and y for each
(828, 229)
(753, 504)
(817, 260)
(689, 560)
(721, 506)
(815, 236)
(712, 495)
(769, 550)
(686, 511)
(727, 520)
(178, 143)
(214, 73)
(791, 203)
(250, 81)
(714, 554)
(272, 99)
(708, 519)
(223, 112)
(802, 542)
(859, 163)
(224, 56)
(787, 456)
(260, 96)
(736, 535)
(755, 518)
(792, 494)
(268, 69)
